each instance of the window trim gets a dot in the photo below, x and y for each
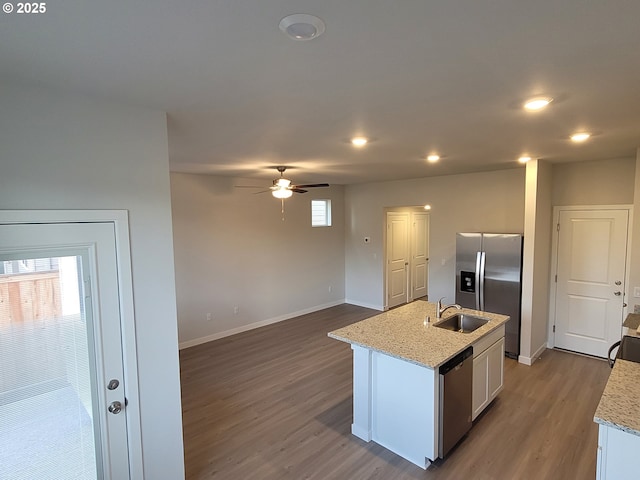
(326, 214)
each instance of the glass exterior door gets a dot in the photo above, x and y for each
(63, 410)
(46, 405)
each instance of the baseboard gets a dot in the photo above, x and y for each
(529, 360)
(252, 326)
(361, 433)
(380, 308)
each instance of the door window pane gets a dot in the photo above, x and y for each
(46, 408)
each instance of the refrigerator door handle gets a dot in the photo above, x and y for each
(481, 289)
(479, 281)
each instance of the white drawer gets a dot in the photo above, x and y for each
(488, 340)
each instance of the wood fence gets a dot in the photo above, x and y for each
(29, 296)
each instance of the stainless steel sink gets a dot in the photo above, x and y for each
(461, 322)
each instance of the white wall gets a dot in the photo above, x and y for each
(67, 152)
(489, 201)
(232, 249)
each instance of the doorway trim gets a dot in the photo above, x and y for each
(554, 260)
(120, 221)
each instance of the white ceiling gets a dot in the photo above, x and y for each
(415, 75)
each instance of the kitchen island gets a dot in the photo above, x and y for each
(396, 388)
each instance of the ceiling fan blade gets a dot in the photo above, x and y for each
(298, 190)
(249, 186)
(313, 185)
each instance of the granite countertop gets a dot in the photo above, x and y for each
(403, 333)
(619, 406)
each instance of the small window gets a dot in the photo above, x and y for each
(320, 213)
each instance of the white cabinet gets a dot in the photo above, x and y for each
(488, 371)
(495, 359)
(617, 454)
(395, 405)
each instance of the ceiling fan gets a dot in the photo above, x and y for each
(283, 188)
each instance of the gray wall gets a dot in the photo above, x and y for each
(68, 152)
(634, 275)
(232, 249)
(604, 182)
(489, 201)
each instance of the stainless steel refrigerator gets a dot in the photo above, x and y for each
(489, 278)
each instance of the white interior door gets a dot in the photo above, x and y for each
(591, 259)
(419, 254)
(397, 258)
(62, 392)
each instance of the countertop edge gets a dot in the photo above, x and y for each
(617, 426)
(619, 405)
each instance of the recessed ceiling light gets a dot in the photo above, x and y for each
(537, 103)
(524, 159)
(302, 26)
(580, 137)
(433, 158)
(359, 141)
(427, 207)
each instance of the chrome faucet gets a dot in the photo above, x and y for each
(440, 309)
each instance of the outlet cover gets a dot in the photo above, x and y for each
(636, 292)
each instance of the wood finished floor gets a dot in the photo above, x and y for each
(275, 403)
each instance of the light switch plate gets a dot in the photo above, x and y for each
(636, 292)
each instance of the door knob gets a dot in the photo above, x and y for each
(618, 282)
(617, 294)
(115, 407)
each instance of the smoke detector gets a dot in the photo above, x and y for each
(302, 26)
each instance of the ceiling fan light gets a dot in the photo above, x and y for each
(283, 183)
(282, 193)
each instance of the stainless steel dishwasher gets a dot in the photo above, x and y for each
(456, 383)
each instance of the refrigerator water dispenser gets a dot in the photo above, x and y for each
(468, 282)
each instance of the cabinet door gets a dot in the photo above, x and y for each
(495, 362)
(480, 395)
(617, 451)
